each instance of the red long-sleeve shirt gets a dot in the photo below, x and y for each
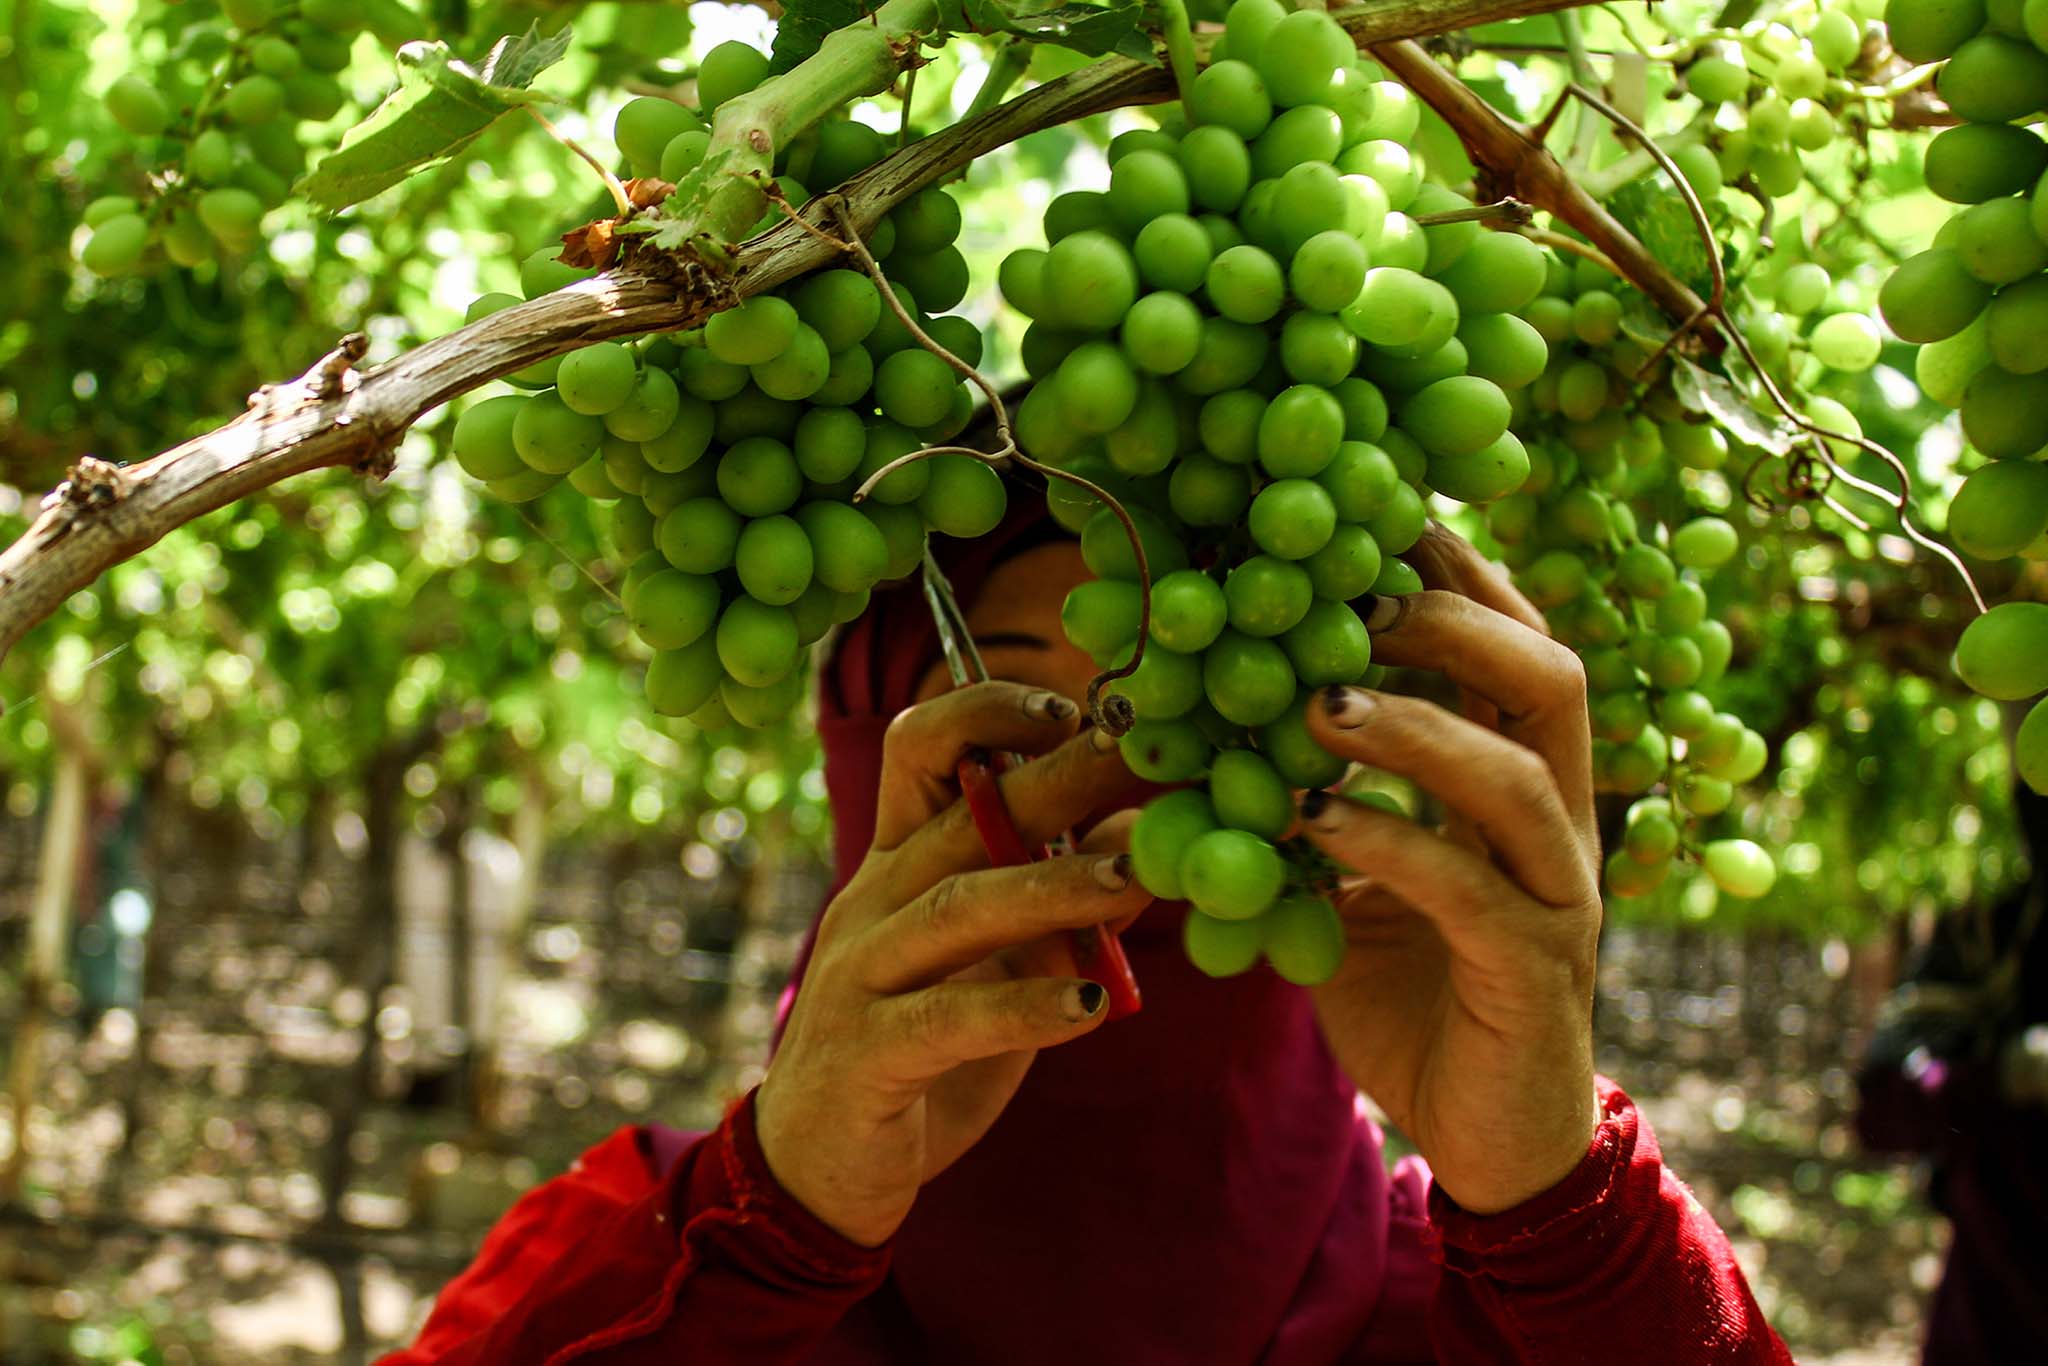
(712, 1262)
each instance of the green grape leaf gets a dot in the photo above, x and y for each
(803, 27)
(1095, 30)
(1651, 210)
(441, 106)
(1703, 391)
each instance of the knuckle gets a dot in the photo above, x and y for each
(1526, 780)
(943, 907)
(1564, 670)
(928, 1020)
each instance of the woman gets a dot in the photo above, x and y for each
(951, 1159)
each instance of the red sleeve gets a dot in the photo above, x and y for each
(1617, 1261)
(608, 1265)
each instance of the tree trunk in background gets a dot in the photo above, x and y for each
(49, 925)
(153, 794)
(461, 942)
(530, 840)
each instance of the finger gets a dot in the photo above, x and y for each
(1045, 798)
(1443, 559)
(1112, 835)
(925, 744)
(1504, 789)
(926, 1033)
(1537, 685)
(1449, 884)
(966, 918)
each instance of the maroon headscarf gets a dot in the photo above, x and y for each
(1195, 1183)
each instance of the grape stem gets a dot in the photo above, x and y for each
(611, 182)
(1508, 210)
(1180, 42)
(1112, 713)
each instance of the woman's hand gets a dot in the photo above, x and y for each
(928, 993)
(1464, 1003)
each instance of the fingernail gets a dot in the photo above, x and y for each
(1386, 612)
(1049, 706)
(1314, 803)
(1082, 1000)
(1347, 707)
(1112, 874)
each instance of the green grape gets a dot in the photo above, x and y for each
(1188, 611)
(1100, 617)
(1249, 794)
(1165, 751)
(624, 465)
(1204, 491)
(1978, 161)
(1456, 416)
(2003, 653)
(1228, 425)
(670, 609)
(482, 439)
(1400, 524)
(887, 442)
(1503, 348)
(1739, 867)
(1217, 166)
(232, 215)
(1582, 390)
(1293, 751)
(1396, 170)
(253, 100)
(1651, 836)
(1716, 79)
(1625, 877)
(1076, 211)
(1248, 680)
(938, 280)
(699, 535)
(1172, 252)
(1292, 518)
(186, 241)
(1231, 874)
(1097, 387)
(1021, 278)
(1848, 342)
(756, 642)
(1398, 308)
(683, 442)
(758, 477)
(249, 15)
(1161, 332)
(552, 437)
(1231, 94)
(1365, 409)
(926, 222)
(1144, 442)
(1596, 317)
(1704, 543)
(841, 306)
(1299, 431)
(799, 372)
(1107, 551)
(757, 330)
(1246, 25)
(1347, 567)
(137, 106)
(1685, 714)
(2002, 412)
(760, 707)
(1802, 288)
(683, 153)
(649, 410)
(1304, 938)
(1245, 285)
(1554, 579)
(2030, 745)
(1097, 282)
(629, 522)
(1493, 471)
(1143, 185)
(1701, 169)
(965, 497)
(1302, 54)
(644, 129)
(848, 375)
(957, 335)
(1500, 272)
(1643, 571)
(1360, 479)
(1993, 78)
(1997, 243)
(680, 681)
(1328, 645)
(1619, 717)
(116, 245)
(773, 560)
(729, 70)
(914, 387)
(849, 554)
(902, 531)
(1163, 832)
(2016, 327)
(1266, 596)
(706, 377)
(1328, 270)
(1221, 948)
(1228, 355)
(596, 379)
(2000, 510)
(1316, 348)
(1166, 685)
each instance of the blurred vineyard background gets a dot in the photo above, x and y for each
(381, 893)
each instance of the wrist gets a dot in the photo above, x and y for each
(1535, 1158)
(794, 1167)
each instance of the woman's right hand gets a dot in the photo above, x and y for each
(928, 992)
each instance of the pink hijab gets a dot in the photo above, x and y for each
(1193, 1184)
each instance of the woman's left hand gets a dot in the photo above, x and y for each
(1464, 1002)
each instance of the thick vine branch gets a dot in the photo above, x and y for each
(105, 514)
(1513, 164)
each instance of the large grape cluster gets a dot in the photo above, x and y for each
(217, 129)
(1977, 299)
(729, 454)
(1260, 342)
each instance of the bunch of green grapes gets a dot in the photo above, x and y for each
(1774, 92)
(1589, 542)
(728, 455)
(217, 129)
(1977, 299)
(2004, 655)
(1254, 341)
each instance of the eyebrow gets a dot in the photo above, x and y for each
(1024, 639)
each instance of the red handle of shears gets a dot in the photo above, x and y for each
(1098, 954)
